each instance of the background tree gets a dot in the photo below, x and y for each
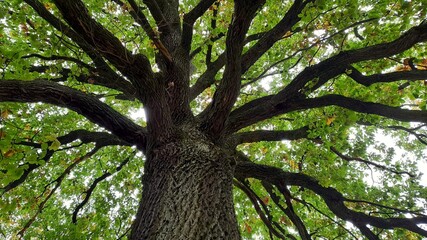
(288, 101)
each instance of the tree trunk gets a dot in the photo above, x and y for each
(187, 192)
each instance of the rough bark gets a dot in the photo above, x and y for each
(187, 191)
(187, 184)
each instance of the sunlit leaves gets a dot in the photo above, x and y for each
(343, 149)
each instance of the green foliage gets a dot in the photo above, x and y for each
(31, 132)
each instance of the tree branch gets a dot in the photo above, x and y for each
(189, 20)
(228, 90)
(289, 211)
(320, 73)
(166, 15)
(92, 187)
(396, 113)
(256, 202)
(57, 57)
(379, 166)
(414, 212)
(275, 34)
(367, 232)
(101, 139)
(211, 40)
(267, 135)
(337, 64)
(265, 42)
(236, 122)
(333, 199)
(77, 16)
(65, 29)
(140, 18)
(386, 77)
(96, 76)
(90, 107)
(333, 219)
(208, 77)
(421, 137)
(136, 68)
(31, 167)
(51, 192)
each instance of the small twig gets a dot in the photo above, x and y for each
(90, 190)
(348, 158)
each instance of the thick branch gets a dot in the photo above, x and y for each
(337, 65)
(267, 135)
(396, 113)
(266, 41)
(271, 110)
(228, 90)
(386, 77)
(96, 76)
(189, 19)
(367, 232)
(275, 34)
(320, 73)
(136, 67)
(78, 17)
(90, 107)
(140, 18)
(334, 199)
(166, 15)
(65, 29)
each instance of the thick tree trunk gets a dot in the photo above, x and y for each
(187, 192)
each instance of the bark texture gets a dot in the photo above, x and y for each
(187, 191)
(191, 159)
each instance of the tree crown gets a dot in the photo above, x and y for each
(302, 93)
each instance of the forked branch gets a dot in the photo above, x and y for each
(412, 75)
(333, 199)
(86, 105)
(92, 187)
(319, 74)
(228, 90)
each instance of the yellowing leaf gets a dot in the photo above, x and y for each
(329, 120)
(285, 158)
(51, 137)
(9, 153)
(287, 34)
(264, 150)
(293, 164)
(284, 220)
(266, 200)
(27, 127)
(4, 114)
(55, 145)
(248, 228)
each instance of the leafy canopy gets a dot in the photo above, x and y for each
(332, 103)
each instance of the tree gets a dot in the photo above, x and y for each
(261, 118)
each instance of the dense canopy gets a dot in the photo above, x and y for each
(308, 116)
